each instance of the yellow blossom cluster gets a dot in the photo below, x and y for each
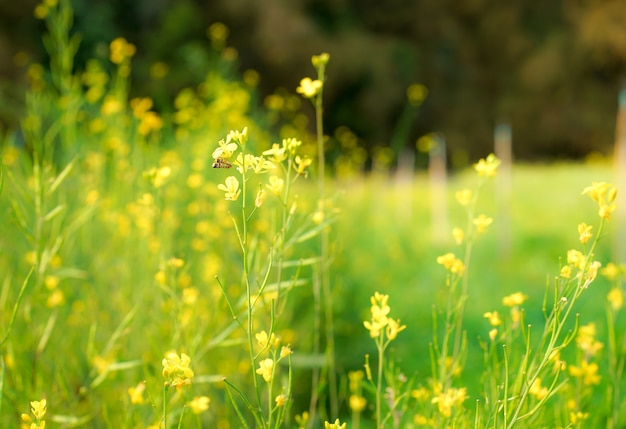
(38, 409)
(451, 263)
(449, 399)
(381, 325)
(604, 195)
(176, 370)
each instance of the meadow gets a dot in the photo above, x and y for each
(203, 266)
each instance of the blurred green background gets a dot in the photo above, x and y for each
(552, 71)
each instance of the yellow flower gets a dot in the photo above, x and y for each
(578, 417)
(586, 340)
(604, 195)
(416, 93)
(38, 409)
(199, 404)
(482, 222)
(355, 378)
(612, 271)
(260, 197)
(493, 317)
(488, 166)
(393, 328)
(285, 351)
(357, 403)
(584, 232)
(231, 188)
(464, 197)
(309, 88)
(302, 419)
(537, 390)
(275, 185)
(450, 399)
(302, 163)
(277, 153)
(566, 272)
(176, 370)
(121, 50)
(266, 369)
(451, 263)
(239, 136)
(225, 150)
(136, 393)
(320, 60)
(616, 298)
(458, 234)
(587, 371)
(493, 333)
(336, 425)
(280, 400)
(266, 341)
(515, 299)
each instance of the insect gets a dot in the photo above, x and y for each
(221, 163)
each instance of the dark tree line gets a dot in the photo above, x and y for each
(552, 70)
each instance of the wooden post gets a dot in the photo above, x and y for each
(619, 160)
(503, 149)
(438, 181)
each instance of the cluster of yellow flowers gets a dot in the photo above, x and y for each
(38, 409)
(380, 325)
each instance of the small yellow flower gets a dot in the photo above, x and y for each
(588, 372)
(586, 340)
(482, 222)
(260, 197)
(537, 390)
(584, 232)
(320, 60)
(266, 369)
(578, 417)
(393, 328)
(199, 404)
(336, 425)
(285, 351)
(136, 393)
(493, 333)
(451, 398)
(38, 409)
(176, 370)
(566, 272)
(121, 50)
(357, 403)
(277, 153)
(487, 167)
(231, 188)
(604, 195)
(458, 234)
(302, 164)
(302, 419)
(309, 88)
(464, 197)
(611, 271)
(515, 299)
(264, 341)
(493, 317)
(225, 150)
(451, 263)
(416, 93)
(280, 400)
(616, 298)
(275, 185)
